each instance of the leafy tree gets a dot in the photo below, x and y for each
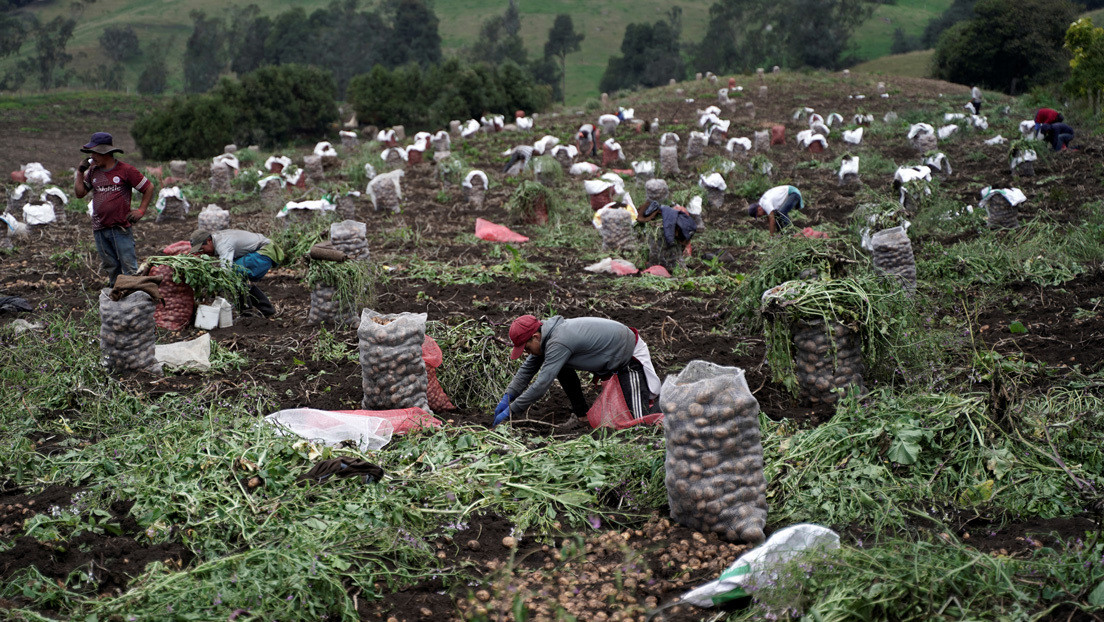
(350, 42)
(13, 32)
(744, 34)
(902, 42)
(959, 11)
(50, 58)
(291, 39)
(204, 53)
(548, 72)
(152, 80)
(1009, 45)
(500, 39)
(111, 76)
(562, 40)
(1085, 42)
(413, 36)
(120, 42)
(275, 104)
(649, 57)
(248, 32)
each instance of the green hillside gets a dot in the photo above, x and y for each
(168, 23)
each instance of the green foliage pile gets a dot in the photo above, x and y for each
(269, 106)
(354, 281)
(204, 274)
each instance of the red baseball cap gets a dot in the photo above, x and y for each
(522, 330)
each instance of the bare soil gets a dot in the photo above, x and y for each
(678, 326)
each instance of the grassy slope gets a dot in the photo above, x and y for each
(170, 23)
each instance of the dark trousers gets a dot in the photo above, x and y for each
(782, 214)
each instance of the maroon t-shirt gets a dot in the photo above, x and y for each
(111, 191)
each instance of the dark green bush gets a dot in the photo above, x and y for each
(428, 99)
(269, 106)
(193, 126)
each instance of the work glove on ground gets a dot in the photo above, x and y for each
(502, 411)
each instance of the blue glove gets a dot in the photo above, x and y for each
(502, 411)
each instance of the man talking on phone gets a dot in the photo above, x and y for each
(111, 182)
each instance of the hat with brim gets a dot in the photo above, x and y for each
(521, 331)
(198, 239)
(101, 143)
(753, 210)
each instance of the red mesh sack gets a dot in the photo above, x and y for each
(657, 270)
(435, 394)
(402, 420)
(778, 134)
(179, 305)
(609, 157)
(413, 156)
(487, 230)
(610, 410)
(601, 199)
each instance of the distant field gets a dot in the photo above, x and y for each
(168, 22)
(874, 38)
(913, 64)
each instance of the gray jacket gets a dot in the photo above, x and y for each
(591, 344)
(231, 244)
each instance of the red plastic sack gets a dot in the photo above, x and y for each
(435, 394)
(487, 230)
(732, 83)
(402, 420)
(657, 270)
(18, 177)
(610, 410)
(809, 232)
(815, 147)
(778, 134)
(413, 156)
(179, 305)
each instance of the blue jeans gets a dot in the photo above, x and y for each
(782, 214)
(254, 265)
(116, 249)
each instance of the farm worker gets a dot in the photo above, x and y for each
(974, 105)
(252, 255)
(1047, 115)
(558, 347)
(520, 156)
(111, 182)
(1057, 134)
(678, 225)
(586, 139)
(776, 205)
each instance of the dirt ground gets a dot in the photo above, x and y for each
(679, 327)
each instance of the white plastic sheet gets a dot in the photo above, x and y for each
(331, 428)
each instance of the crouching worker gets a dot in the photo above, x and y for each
(776, 204)
(668, 244)
(251, 254)
(558, 348)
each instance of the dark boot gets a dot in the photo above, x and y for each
(259, 301)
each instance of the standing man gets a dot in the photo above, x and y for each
(557, 347)
(251, 254)
(776, 204)
(111, 182)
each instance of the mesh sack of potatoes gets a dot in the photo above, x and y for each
(827, 359)
(656, 190)
(326, 307)
(893, 255)
(393, 373)
(175, 208)
(346, 206)
(616, 231)
(214, 218)
(714, 462)
(127, 332)
(350, 237)
(1000, 213)
(668, 160)
(695, 146)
